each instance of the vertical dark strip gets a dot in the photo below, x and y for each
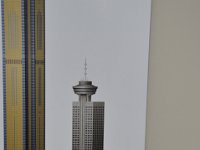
(4, 75)
(33, 106)
(24, 103)
(25, 66)
(14, 133)
(98, 126)
(44, 71)
(39, 134)
(39, 103)
(39, 87)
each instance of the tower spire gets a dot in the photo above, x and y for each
(85, 69)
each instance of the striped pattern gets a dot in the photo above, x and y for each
(23, 74)
(4, 75)
(13, 61)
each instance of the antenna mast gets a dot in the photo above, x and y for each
(85, 69)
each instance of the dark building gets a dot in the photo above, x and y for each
(23, 37)
(88, 119)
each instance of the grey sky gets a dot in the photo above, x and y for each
(114, 36)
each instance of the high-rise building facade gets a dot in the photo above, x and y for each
(23, 37)
(88, 119)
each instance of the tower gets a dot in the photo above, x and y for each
(88, 118)
(23, 38)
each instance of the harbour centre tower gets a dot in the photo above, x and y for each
(88, 119)
(23, 40)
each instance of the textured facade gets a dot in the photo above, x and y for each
(23, 37)
(88, 119)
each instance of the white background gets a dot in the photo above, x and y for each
(114, 37)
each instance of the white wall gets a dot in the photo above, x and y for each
(173, 114)
(114, 36)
